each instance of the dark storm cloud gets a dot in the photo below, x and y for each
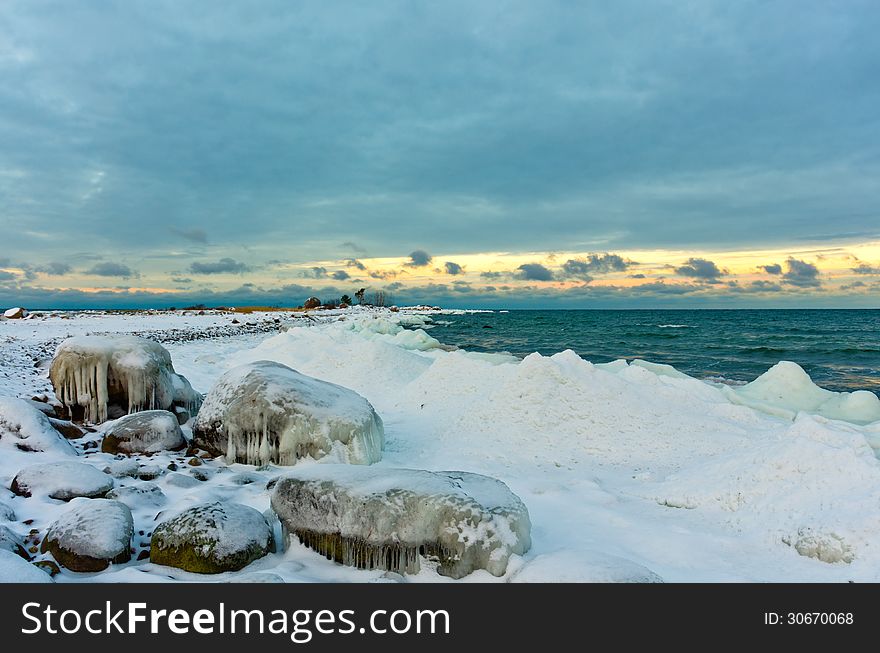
(452, 268)
(56, 268)
(355, 263)
(110, 269)
(534, 272)
(594, 264)
(340, 275)
(419, 259)
(773, 268)
(700, 268)
(223, 266)
(801, 274)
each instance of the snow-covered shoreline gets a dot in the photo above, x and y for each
(629, 471)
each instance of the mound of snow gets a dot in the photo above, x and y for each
(91, 374)
(15, 570)
(9, 541)
(90, 535)
(583, 567)
(266, 412)
(25, 428)
(786, 389)
(388, 518)
(151, 431)
(816, 487)
(212, 538)
(61, 480)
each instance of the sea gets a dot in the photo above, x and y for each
(839, 349)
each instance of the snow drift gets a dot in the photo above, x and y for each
(97, 376)
(266, 412)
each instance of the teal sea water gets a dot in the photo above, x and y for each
(839, 349)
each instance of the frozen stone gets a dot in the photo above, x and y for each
(92, 374)
(9, 541)
(266, 412)
(61, 480)
(150, 431)
(176, 479)
(567, 566)
(91, 535)
(148, 494)
(16, 313)
(212, 538)
(25, 428)
(6, 512)
(391, 518)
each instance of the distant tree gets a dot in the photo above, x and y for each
(345, 300)
(359, 295)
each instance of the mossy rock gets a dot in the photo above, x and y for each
(212, 538)
(91, 535)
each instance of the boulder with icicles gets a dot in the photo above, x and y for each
(266, 412)
(98, 378)
(396, 519)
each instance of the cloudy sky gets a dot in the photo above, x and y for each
(570, 154)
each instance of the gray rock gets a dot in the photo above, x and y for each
(390, 518)
(62, 480)
(212, 538)
(91, 535)
(149, 431)
(181, 480)
(122, 468)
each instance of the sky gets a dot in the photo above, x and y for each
(645, 154)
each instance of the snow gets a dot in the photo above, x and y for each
(14, 569)
(385, 517)
(92, 371)
(266, 412)
(629, 471)
(24, 427)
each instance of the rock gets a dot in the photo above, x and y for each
(122, 469)
(96, 377)
(581, 566)
(150, 431)
(91, 535)
(63, 480)
(15, 570)
(312, 302)
(11, 542)
(149, 472)
(182, 415)
(139, 494)
(16, 313)
(25, 428)
(68, 429)
(212, 538)
(265, 412)
(48, 567)
(42, 406)
(389, 518)
(181, 480)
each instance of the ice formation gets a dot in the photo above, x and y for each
(91, 374)
(148, 432)
(372, 518)
(265, 412)
(90, 535)
(786, 389)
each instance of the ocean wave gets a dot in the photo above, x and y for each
(675, 326)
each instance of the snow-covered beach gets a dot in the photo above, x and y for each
(630, 472)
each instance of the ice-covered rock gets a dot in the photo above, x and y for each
(786, 389)
(103, 376)
(139, 494)
(27, 429)
(61, 480)
(150, 431)
(212, 538)
(15, 570)
(91, 535)
(389, 518)
(266, 412)
(9, 541)
(16, 313)
(68, 429)
(583, 567)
